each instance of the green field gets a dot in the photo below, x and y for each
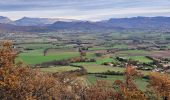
(141, 83)
(141, 59)
(121, 46)
(95, 68)
(41, 45)
(58, 69)
(134, 52)
(36, 56)
(102, 60)
(117, 46)
(37, 46)
(99, 48)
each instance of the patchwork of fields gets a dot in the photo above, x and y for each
(104, 51)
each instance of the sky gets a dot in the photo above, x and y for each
(93, 10)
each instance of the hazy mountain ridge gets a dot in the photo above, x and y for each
(140, 22)
(5, 20)
(76, 25)
(47, 24)
(26, 21)
(15, 28)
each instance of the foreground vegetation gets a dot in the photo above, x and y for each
(19, 82)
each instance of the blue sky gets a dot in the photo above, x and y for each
(83, 9)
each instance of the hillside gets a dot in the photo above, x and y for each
(139, 22)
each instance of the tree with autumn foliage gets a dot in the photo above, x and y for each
(127, 89)
(159, 85)
(7, 55)
(102, 90)
(19, 82)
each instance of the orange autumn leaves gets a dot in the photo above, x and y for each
(7, 55)
(127, 90)
(160, 85)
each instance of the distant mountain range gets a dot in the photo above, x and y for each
(26, 21)
(139, 22)
(49, 24)
(5, 20)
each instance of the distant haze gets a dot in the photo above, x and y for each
(83, 9)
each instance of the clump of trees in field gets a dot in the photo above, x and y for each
(19, 82)
(65, 62)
